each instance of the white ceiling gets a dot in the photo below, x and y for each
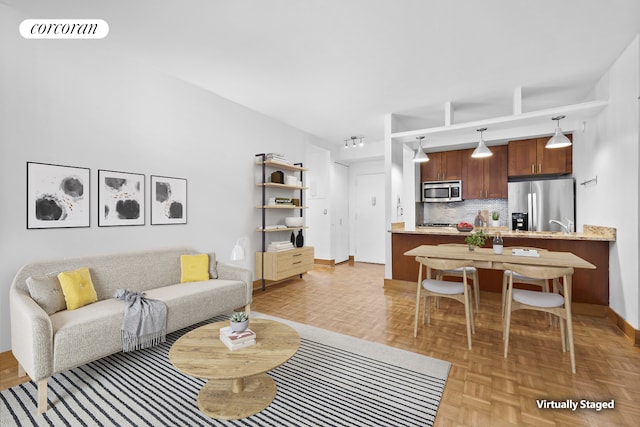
(334, 68)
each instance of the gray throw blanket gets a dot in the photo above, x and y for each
(145, 320)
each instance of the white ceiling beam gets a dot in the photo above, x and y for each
(448, 113)
(573, 112)
(517, 101)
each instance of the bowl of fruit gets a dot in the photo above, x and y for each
(464, 226)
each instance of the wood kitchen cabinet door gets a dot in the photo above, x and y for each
(554, 160)
(531, 157)
(451, 164)
(485, 178)
(473, 176)
(495, 173)
(444, 165)
(430, 171)
(523, 157)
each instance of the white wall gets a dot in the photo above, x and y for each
(608, 149)
(318, 161)
(78, 103)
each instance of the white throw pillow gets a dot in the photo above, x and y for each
(47, 292)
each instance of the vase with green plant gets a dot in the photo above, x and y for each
(239, 321)
(475, 239)
(495, 219)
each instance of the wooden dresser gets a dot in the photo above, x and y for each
(281, 265)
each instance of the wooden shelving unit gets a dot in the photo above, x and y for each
(280, 265)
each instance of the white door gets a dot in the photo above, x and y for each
(369, 219)
(340, 214)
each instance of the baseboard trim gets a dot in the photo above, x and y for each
(257, 284)
(329, 262)
(629, 331)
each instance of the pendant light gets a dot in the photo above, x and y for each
(420, 155)
(481, 150)
(558, 140)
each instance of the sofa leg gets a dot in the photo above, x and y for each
(21, 371)
(42, 396)
(247, 309)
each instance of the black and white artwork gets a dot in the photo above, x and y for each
(120, 198)
(57, 196)
(168, 200)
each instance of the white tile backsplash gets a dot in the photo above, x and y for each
(455, 212)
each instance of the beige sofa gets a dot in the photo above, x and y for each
(46, 344)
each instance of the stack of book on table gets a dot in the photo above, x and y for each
(237, 340)
(284, 245)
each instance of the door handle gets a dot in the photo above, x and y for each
(539, 167)
(533, 168)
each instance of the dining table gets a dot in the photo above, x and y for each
(486, 258)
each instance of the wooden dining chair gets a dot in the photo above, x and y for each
(457, 272)
(430, 287)
(557, 303)
(519, 278)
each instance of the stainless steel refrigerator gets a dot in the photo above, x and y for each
(543, 200)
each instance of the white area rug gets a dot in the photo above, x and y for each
(333, 380)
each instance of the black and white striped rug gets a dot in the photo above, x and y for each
(333, 380)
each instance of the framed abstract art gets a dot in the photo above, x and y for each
(168, 200)
(57, 196)
(121, 198)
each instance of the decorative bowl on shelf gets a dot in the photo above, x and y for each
(464, 227)
(294, 221)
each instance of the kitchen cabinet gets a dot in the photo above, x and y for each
(485, 178)
(442, 166)
(530, 157)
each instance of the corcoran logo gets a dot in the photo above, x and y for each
(64, 29)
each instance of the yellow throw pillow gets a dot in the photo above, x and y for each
(77, 288)
(195, 268)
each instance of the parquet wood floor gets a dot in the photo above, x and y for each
(483, 388)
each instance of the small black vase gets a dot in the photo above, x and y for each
(299, 239)
(293, 238)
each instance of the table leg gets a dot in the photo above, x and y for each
(238, 398)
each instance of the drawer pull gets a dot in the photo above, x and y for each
(298, 262)
(297, 254)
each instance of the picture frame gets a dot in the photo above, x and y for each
(121, 198)
(58, 196)
(168, 200)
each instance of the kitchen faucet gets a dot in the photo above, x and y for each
(567, 228)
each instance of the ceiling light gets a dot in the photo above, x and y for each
(420, 155)
(481, 150)
(558, 140)
(354, 144)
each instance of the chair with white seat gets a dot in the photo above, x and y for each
(430, 287)
(550, 302)
(519, 278)
(471, 271)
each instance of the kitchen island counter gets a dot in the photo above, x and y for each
(589, 232)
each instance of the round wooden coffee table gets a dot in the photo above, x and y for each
(237, 385)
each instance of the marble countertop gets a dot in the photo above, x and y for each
(590, 232)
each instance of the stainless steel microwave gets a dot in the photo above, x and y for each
(442, 191)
